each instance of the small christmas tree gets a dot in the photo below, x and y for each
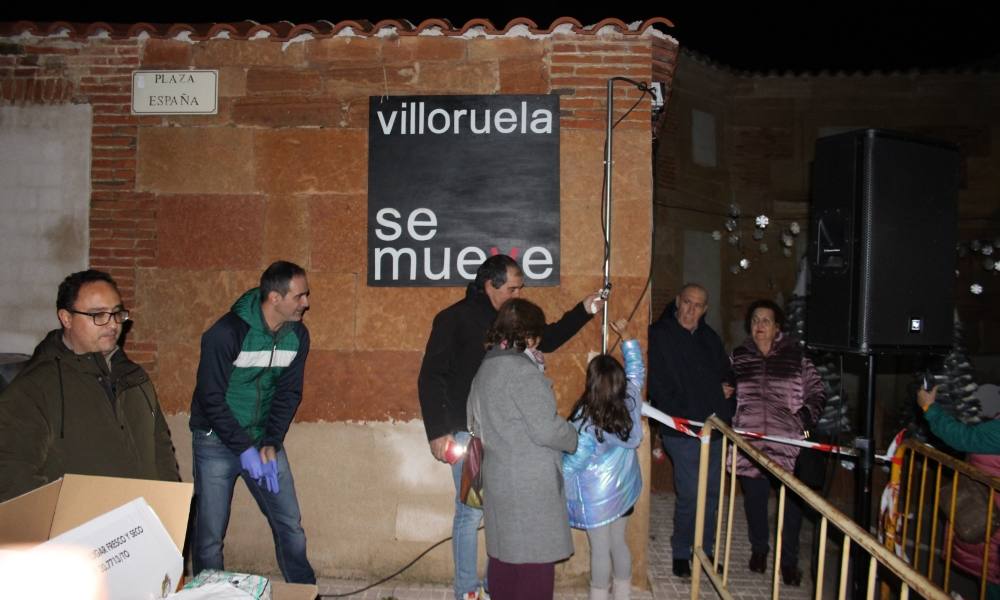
(833, 420)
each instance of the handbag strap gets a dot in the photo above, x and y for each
(474, 427)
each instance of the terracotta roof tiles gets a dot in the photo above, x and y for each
(284, 30)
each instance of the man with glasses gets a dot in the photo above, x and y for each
(80, 405)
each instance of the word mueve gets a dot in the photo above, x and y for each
(421, 226)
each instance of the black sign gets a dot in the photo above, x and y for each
(454, 179)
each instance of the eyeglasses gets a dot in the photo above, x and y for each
(104, 317)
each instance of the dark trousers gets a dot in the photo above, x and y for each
(685, 453)
(528, 581)
(755, 494)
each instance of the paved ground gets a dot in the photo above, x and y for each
(743, 583)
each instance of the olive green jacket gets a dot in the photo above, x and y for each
(72, 413)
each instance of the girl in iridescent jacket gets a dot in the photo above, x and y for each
(602, 477)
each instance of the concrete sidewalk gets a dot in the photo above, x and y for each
(743, 583)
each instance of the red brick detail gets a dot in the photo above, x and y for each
(579, 70)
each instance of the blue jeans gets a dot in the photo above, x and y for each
(685, 452)
(215, 471)
(464, 533)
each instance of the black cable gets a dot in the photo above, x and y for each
(629, 111)
(384, 579)
(649, 280)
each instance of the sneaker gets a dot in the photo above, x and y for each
(682, 568)
(758, 562)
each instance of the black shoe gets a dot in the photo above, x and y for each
(682, 568)
(791, 575)
(758, 562)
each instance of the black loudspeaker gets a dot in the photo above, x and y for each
(883, 231)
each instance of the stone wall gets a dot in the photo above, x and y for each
(187, 210)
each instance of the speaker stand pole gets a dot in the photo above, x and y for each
(863, 482)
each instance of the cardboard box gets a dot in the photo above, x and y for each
(62, 505)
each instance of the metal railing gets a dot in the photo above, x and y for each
(929, 527)
(854, 537)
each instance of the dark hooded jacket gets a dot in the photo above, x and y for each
(455, 350)
(72, 413)
(687, 370)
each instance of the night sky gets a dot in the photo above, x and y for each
(746, 37)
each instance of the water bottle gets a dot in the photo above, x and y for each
(633, 358)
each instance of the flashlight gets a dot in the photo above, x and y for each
(454, 452)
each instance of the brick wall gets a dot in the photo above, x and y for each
(43, 71)
(187, 210)
(767, 127)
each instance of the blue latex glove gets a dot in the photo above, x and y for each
(250, 461)
(271, 476)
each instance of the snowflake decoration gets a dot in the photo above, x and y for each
(731, 225)
(762, 221)
(758, 234)
(975, 245)
(976, 289)
(987, 250)
(787, 240)
(734, 210)
(744, 263)
(787, 252)
(996, 265)
(734, 239)
(794, 228)
(716, 235)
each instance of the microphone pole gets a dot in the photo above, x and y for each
(606, 213)
(606, 209)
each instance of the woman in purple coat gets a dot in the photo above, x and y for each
(778, 393)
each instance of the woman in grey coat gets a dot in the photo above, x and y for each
(512, 408)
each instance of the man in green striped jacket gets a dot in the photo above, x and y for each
(249, 387)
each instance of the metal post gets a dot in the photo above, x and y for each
(866, 464)
(704, 464)
(609, 136)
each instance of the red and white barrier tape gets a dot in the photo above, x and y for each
(689, 427)
(676, 423)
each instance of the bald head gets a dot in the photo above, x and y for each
(692, 302)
